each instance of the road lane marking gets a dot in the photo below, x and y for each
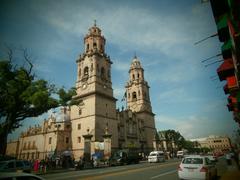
(164, 174)
(126, 171)
(84, 174)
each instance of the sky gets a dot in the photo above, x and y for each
(186, 96)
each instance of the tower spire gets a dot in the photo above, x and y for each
(135, 55)
(95, 22)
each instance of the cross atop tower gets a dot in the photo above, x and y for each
(95, 22)
(135, 55)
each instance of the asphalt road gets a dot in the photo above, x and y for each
(142, 171)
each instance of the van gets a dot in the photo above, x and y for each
(156, 156)
(180, 154)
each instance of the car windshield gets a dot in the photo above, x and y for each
(153, 154)
(193, 161)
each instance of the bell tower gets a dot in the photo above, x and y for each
(138, 101)
(137, 88)
(97, 107)
(94, 66)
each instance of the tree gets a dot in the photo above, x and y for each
(22, 95)
(174, 136)
(65, 98)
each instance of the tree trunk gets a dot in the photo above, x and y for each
(3, 141)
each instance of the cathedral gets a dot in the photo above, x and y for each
(133, 127)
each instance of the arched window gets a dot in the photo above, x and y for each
(91, 67)
(97, 68)
(94, 45)
(138, 75)
(102, 73)
(133, 76)
(129, 96)
(86, 71)
(87, 47)
(79, 72)
(134, 96)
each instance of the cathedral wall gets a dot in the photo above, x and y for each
(79, 128)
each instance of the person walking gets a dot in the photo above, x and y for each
(228, 158)
(36, 165)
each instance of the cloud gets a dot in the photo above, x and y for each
(196, 126)
(136, 28)
(121, 66)
(177, 95)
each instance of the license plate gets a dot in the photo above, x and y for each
(190, 170)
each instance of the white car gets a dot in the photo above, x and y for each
(196, 167)
(156, 156)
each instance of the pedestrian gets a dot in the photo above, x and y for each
(36, 165)
(228, 158)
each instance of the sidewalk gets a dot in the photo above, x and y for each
(232, 173)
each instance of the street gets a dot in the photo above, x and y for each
(142, 171)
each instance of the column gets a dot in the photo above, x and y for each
(107, 144)
(87, 146)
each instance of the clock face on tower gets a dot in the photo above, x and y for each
(84, 86)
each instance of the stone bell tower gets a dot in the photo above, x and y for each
(138, 101)
(137, 88)
(97, 106)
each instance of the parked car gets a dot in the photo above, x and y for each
(156, 156)
(196, 167)
(19, 176)
(15, 165)
(126, 156)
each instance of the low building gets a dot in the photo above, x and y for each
(217, 144)
(40, 142)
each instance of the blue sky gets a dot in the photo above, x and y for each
(162, 33)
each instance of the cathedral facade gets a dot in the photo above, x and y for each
(133, 127)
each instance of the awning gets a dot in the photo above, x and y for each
(226, 69)
(225, 88)
(231, 82)
(227, 49)
(227, 45)
(67, 153)
(222, 22)
(232, 99)
(219, 7)
(238, 96)
(230, 107)
(222, 26)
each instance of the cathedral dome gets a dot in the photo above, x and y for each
(94, 30)
(135, 63)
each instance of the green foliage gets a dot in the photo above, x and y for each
(22, 96)
(66, 97)
(175, 136)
